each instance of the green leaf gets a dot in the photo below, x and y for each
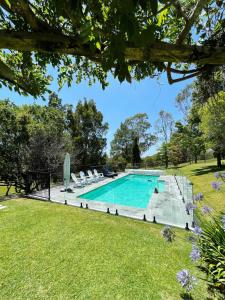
(8, 3)
(98, 45)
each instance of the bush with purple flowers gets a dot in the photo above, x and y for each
(208, 246)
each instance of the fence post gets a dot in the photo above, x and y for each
(49, 186)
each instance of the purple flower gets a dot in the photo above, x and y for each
(168, 234)
(198, 197)
(223, 221)
(190, 206)
(206, 209)
(216, 185)
(223, 175)
(197, 230)
(195, 253)
(217, 175)
(186, 280)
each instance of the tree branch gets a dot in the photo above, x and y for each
(50, 42)
(171, 80)
(190, 21)
(22, 8)
(8, 74)
(172, 70)
(179, 10)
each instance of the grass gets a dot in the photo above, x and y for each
(3, 191)
(51, 251)
(202, 174)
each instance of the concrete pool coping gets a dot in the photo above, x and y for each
(166, 207)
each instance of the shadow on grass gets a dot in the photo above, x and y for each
(207, 169)
(186, 296)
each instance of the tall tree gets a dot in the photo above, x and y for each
(136, 158)
(130, 38)
(31, 138)
(213, 124)
(88, 132)
(134, 127)
(164, 127)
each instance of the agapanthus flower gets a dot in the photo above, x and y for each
(217, 175)
(186, 280)
(197, 230)
(216, 185)
(198, 197)
(223, 221)
(168, 234)
(190, 206)
(206, 209)
(195, 253)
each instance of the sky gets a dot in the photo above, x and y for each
(118, 101)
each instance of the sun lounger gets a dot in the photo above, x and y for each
(78, 182)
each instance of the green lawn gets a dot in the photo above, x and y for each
(3, 191)
(51, 251)
(202, 174)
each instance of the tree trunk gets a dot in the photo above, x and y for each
(218, 157)
(7, 190)
(196, 159)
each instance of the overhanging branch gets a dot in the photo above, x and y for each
(22, 8)
(9, 75)
(190, 21)
(50, 42)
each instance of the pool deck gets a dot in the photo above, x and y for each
(166, 207)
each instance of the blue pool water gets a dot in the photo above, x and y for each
(131, 190)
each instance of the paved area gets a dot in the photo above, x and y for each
(167, 207)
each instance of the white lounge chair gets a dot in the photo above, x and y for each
(78, 182)
(98, 175)
(86, 179)
(91, 176)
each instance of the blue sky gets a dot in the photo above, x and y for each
(118, 101)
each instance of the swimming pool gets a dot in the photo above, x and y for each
(131, 190)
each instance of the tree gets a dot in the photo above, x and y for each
(136, 158)
(32, 138)
(13, 143)
(213, 123)
(88, 132)
(134, 127)
(130, 38)
(164, 127)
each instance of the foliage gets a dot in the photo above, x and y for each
(134, 127)
(212, 251)
(209, 239)
(213, 124)
(88, 131)
(87, 39)
(36, 138)
(164, 127)
(136, 159)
